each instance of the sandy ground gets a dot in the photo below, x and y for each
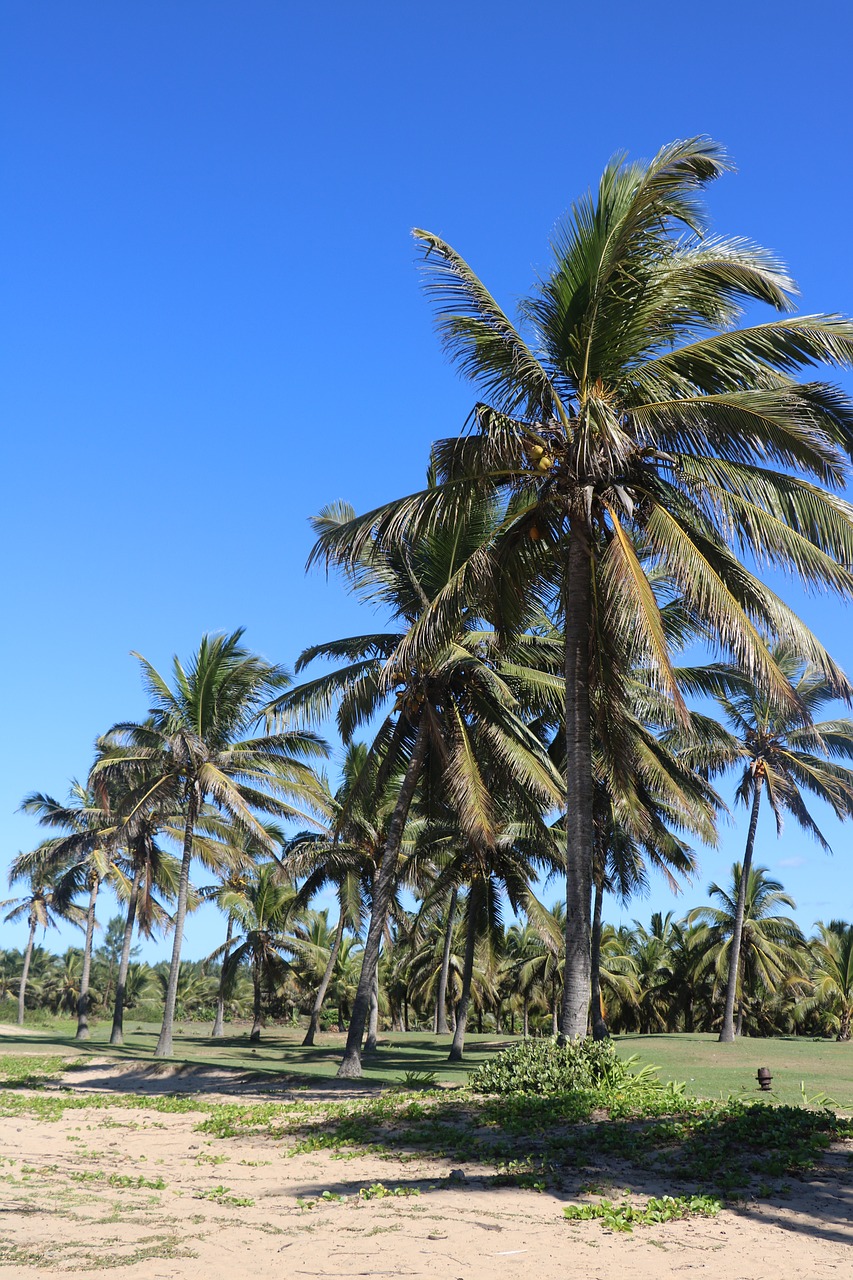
(63, 1209)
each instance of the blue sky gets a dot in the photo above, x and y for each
(212, 323)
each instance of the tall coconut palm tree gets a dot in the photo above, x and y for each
(198, 740)
(785, 751)
(457, 706)
(633, 415)
(772, 947)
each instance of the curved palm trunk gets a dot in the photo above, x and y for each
(350, 1068)
(458, 1045)
(83, 998)
(117, 1033)
(727, 1034)
(255, 1033)
(441, 1027)
(25, 972)
(599, 1026)
(314, 1024)
(577, 602)
(373, 1017)
(164, 1044)
(219, 1017)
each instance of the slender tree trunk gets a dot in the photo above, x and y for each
(25, 972)
(579, 835)
(458, 1045)
(555, 1012)
(350, 1067)
(117, 1033)
(373, 1017)
(727, 1034)
(83, 998)
(219, 1017)
(526, 1015)
(164, 1044)
(314, 1024)
(441, 1028)
(405, 1013)
(599, 1026)
(255, 1033)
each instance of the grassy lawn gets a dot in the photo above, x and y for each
(279, 1052)
(709, 1070)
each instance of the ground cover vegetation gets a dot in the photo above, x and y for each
(524, 718)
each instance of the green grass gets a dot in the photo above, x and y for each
(709, 1069)
(712, 1070)
(278, 1053)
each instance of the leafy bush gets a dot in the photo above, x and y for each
(544, 1067)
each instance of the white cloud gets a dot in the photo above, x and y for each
(792, 862)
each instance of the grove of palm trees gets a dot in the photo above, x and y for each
(432, 831)
(633, 457)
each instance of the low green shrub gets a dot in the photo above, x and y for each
(544, 1067)
(622, 1216)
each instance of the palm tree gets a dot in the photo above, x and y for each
(262, 910)
(232, 853)
(85, 850)
(457, 706)
(147, 870)
(772, 947)
(346, 854)
(832, 976)
(196, 742)
(785, 752)
(49, 898)
(638, 425)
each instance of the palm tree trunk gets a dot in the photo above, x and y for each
(314, 1024)
(117, 1033)
(526, 1015)
(25, 972)
(441, 997)
(458, 1045)
(255, 1033)
(83, 998)
(727, 1034)
(219, 1017)
(555, 1012)
(599, 1026)
(373, 1018)
(164, 1044)
(350, 1068)
(579, 835)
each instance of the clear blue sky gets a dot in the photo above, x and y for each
(211, 320)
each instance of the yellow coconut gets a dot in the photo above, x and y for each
(545, 463)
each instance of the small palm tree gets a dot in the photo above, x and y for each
(198, 740)
(261, 911)
(49, 899)
(85, 850)
(832, 976)
(772, 947)
(785, 751)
